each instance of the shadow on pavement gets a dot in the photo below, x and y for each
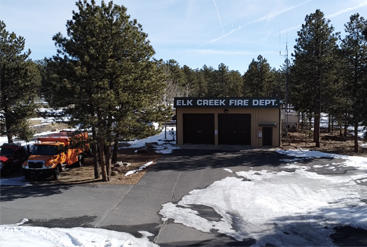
(219, 241)
(190, 159)
(312, 229)
(82, 221)
(134, 229)
(10, 193)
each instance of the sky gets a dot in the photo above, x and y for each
(193, 32)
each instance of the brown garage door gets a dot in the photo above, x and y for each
(234, 129)
(198, 128)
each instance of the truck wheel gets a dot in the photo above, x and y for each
(80, 160)
(27, 175)
(56, 172)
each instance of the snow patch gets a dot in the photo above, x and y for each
(30, 236)
(162, 145)
(140, 168)
(351, 161)
(228, 170)
(267, 204)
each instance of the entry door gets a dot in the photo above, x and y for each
(198, 128)
(267, 136)
(234, 129)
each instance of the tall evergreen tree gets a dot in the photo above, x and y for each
(19, 84)
(257, 79)
(174, 81)
(105, 76)
(354, 48)
(314, 66)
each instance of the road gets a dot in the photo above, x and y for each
(133, 208)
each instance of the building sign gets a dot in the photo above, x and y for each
(225, 102)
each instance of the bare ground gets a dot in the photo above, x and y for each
(329, 142)
(85, 174)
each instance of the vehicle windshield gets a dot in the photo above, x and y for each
(44, 150)
(6, 151)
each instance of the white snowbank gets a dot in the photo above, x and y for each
(30, 236)
(3, 139)
(163, 146)
(140, 168)
(267, 205)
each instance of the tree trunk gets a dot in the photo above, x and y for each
(332, 124)
(345, 129)
(107, 150)
(10, 137)
(7, 125)
(316, 128)
(356, 137)
(329, 123)
(340, 128)
(102, 158)
(95, 155)
(115, 149)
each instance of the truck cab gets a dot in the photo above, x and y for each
(11, 158)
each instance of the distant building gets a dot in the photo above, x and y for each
(290, 120)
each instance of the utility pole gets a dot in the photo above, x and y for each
(286, 87)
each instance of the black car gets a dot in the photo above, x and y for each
(12, 157)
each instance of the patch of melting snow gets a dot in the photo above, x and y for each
(228, 170)
(139, 169)
(162, 146)
(31, 236)
(267, 205)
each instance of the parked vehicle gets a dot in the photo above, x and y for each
(52, 153)
(11, 158)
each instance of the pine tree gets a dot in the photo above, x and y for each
(105, 76)
(257, 79)
(314, 67)
(354, 48)
(19, 84)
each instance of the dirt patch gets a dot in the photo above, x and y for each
(329, 142)
(128, 161)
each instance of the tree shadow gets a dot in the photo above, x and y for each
(10, 193)
(194, 159)
(81, 221)
(316, 229)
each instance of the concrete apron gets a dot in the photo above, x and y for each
(224, 147)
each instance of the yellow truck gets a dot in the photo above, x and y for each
(52, 153)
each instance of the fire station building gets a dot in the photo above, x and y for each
(233, 121)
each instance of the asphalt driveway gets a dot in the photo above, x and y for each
(133, 208)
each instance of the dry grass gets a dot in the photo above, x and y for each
(85, 174)
(329, 142)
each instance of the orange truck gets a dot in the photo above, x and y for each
(52, 153)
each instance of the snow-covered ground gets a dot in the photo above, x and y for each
(30, 236)
(361, 130)
(280, 207)
(163, 146)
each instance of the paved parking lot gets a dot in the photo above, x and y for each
(133, 208)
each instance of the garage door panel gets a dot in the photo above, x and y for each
(198, 128)
(234, 129)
